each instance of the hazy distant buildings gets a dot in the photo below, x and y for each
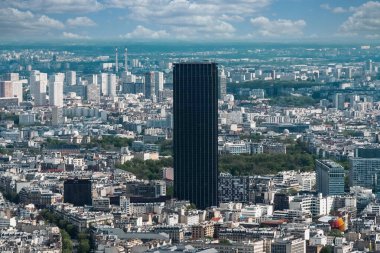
(339, 100)
(330, 177)
(103, 83)
(149, 89)
(158, 82)
(56, 90)
(11, 89)
(71, 78)
(112, 83)
(93, 93)
(6, 89)
(195, 133)
(222, 87)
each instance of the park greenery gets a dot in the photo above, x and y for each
(296, 158)
(264, 84)
(68, 232)
(293, 101)
(149, 169)
(110, 142)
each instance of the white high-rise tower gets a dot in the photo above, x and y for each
(56, 90)
(116, 62)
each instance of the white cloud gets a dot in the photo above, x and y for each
(337, 10)
(279, 27)
(69, 35)
(141, 33)
(200, 18)
(14, 23)
(80, 21)
(56, 6)
(192, 18)
(364, 21)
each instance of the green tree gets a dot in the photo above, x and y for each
(67, 244)
(327, 249)
(84, 246)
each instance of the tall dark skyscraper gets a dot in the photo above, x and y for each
(196, 133)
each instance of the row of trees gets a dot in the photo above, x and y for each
(68, 232)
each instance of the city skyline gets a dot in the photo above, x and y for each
(184, 20)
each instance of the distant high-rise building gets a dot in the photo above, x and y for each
(38, 87)
(222, 87)
(149, 85)
(11, 89)
(93, 93)
(6, 89)
(112, 83)
(71, 78)
(369, 66)
(195, 133)
(126, 60)
(339, 100)
(116, 61)
(11, 77)
(92, 79)
(330, 178)
(78, 192)
(158, 82)
(103, 83)
(56, 90)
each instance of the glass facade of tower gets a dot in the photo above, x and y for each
(195, 136)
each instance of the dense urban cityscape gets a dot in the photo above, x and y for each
(276, 148)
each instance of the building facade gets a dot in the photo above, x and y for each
(195, 133)
(330, 177)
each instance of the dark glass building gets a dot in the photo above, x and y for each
(195, 136)
(149, 85)
(77, 192)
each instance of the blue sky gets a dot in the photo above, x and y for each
(191, 20)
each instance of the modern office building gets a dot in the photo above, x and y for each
(78, 192)
(195, 133)
(150, 85)
(365, 172)
(330, 178)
